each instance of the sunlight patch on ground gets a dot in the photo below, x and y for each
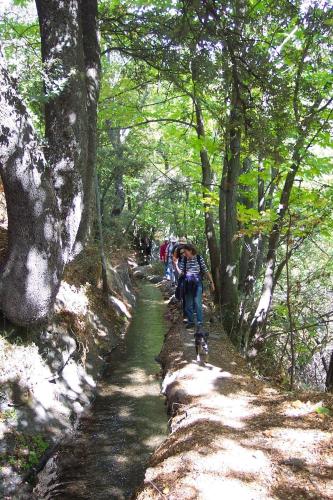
(304, 443)
(299, 408)
(137, 383)
(124, 412)
(153, 441)
(206, 379)
(210, 487)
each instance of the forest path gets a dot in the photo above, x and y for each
(234, 435)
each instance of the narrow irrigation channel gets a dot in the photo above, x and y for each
(108, 456)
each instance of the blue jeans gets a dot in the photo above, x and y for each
(193, 303)
(170, 272)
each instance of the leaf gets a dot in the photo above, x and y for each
(322, 410)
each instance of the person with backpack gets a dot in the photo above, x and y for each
(193, 269)
(170, 274)
(177, 254)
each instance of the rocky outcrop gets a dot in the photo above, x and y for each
(48, 375)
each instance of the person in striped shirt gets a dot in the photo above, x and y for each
(193, 268)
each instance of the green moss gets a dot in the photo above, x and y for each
(9, 414)
(26, 452)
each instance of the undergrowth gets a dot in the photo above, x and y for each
(26, 450)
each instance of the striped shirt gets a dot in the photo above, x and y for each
(193, 266)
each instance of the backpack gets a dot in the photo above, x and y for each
(199, 262)
(181, 282)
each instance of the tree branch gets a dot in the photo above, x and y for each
(157, 120)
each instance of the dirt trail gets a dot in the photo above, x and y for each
(232, 435)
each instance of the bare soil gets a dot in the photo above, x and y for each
(232, 434)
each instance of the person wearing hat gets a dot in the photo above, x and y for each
(193, 268)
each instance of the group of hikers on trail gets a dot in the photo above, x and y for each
(185, 269)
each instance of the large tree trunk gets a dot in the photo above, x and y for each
(251, 257)
(71, 62)
(247, 255)
(44, 206)
(230, 245)
(105, 283)
(92, 73)
(329, 376)
(31, 274)
(213, 248)
(119, 196)
(260, 316)
(247, 264)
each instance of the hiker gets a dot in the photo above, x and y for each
(148, 245)
(170, 274)
(193, 269)
(145, 249)
(163, 256)
(177, 254)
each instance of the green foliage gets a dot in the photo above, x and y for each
(21, 3)
(26, 452)
(160, 59)
(284, 82)
(21, 42)
(322, 410)
(7, 415)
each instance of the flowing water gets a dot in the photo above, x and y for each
(127, 421)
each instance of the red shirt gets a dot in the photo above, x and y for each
(163, 248)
